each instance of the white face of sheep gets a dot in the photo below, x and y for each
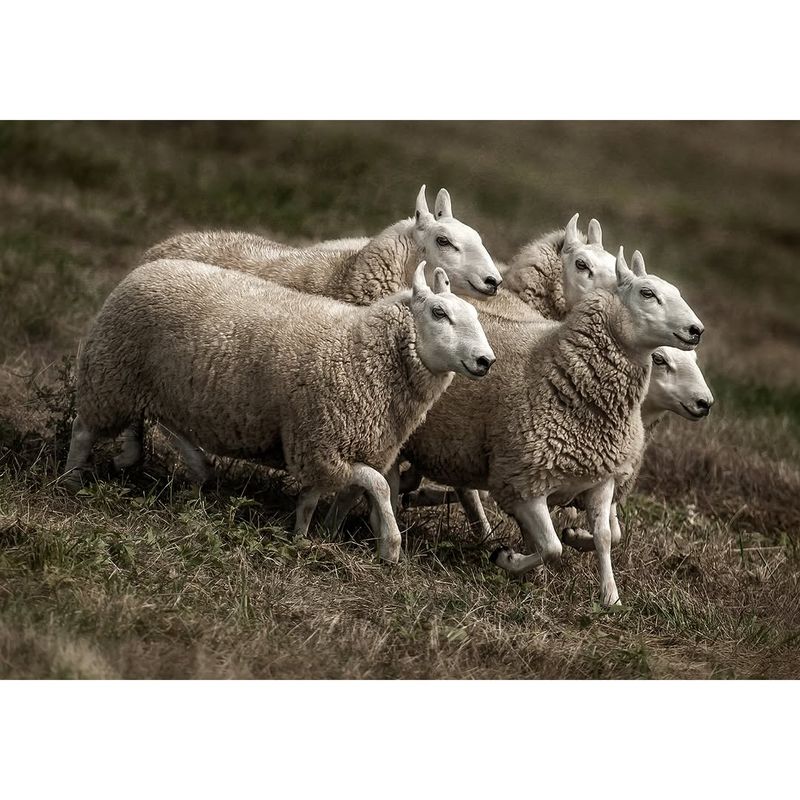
(454, 247)
(449, 336)
(677, 384)
(660, 317)
(585, 265)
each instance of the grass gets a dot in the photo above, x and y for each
(146, 577)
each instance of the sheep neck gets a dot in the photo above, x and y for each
(591, 364)
(536, 274)
(381, 267)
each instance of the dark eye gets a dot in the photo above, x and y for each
(439, 312)
(648, 294)
(443, 241)
(659, 360)
(581, 265)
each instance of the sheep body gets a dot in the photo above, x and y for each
(382, 267)
(559, 413)
(245, 368)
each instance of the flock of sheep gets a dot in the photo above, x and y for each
(538, 382)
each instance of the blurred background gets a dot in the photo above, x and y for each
(714, 207)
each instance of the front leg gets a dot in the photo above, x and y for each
(382, 516)
(533, 517)
(599, 501)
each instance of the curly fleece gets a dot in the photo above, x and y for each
(559, 412)
(382, 267)
(245, 368)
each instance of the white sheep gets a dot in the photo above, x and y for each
(376, 269)
(561, 413)
(233, 365)
(677, 385)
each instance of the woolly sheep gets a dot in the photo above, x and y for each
(552, 273)
(237, 366)
(677, 385)
(380, 267)
(561, 413)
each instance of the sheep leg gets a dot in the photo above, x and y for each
(132, 450)
(342, 505)
(306, 506)
(599, 501)
(382, 517)
(80, 451)
(582, 540)
(393, 478)
(429, 496)
(533, 517)
(197, 463)
(474, 512)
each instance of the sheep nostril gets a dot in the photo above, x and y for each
(696, 330)
(492, 283)
(484, 363)
(703, 406)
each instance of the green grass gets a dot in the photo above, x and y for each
(146, 577)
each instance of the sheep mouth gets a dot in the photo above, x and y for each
(695, 414)
(488, 292)
(476, 373)
(692, 341)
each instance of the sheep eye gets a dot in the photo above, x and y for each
(581, 265)
(439, 312)
(648, 294)
(659, 360)
(443, 241)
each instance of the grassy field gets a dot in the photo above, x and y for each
(148, 578)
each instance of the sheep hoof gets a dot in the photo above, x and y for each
(503, 550)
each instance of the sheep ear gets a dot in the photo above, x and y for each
(571, 237)
(419, 286)
(441, 283)
(624, 275)
(422, 213)
(442, 207)
(595, 233)
(637, 264)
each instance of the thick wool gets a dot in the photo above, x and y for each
(559, 413)
(245, 368)
(536, 275)
(380, 267)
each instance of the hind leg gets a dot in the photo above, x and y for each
(197, 464)
(132, 450)
(80, 452)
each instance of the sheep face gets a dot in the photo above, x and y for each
(448, 244)
(659, 316)
(585, 265)
(449, 336)
(677, 384)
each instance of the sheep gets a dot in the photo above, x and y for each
(561, 413)
(555, 271)
(677, 385)
(234, 365)
(382, 266)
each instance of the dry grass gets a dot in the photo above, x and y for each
(148, 578)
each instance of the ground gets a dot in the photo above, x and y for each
(147, 577)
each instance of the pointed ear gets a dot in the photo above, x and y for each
(571, 236)
(595, 233)
(623, 272)
(422, 214)
(441, 283)
(637, 264)
(419, 286)
(442, 207)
